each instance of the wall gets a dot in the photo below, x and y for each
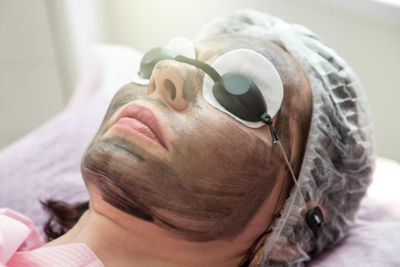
(365, 33)
(43, 49)
(30, 86)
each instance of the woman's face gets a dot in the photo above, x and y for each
(203, 175)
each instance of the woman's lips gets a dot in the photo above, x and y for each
(142, 120)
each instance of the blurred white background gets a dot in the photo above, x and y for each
(44, 45)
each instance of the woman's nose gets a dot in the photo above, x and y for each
(175, 83)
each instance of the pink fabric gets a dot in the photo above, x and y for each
(73, 255)
(20, 242)
(17, 232)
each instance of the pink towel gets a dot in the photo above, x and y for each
(20, 246)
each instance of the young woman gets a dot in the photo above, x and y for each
(251, 147)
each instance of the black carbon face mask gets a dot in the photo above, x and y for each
(241, 97)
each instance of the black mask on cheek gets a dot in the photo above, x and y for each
(208, 188)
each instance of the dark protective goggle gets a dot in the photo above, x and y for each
(234, 91)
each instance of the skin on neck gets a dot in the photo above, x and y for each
(120, 239)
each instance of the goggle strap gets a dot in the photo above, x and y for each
(210, 71)
(275, 140)
(291, 170)
(266, 118)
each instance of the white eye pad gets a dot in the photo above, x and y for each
(180, 45)
(255, 67)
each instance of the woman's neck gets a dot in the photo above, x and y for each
(127, 241)
(120, 239)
